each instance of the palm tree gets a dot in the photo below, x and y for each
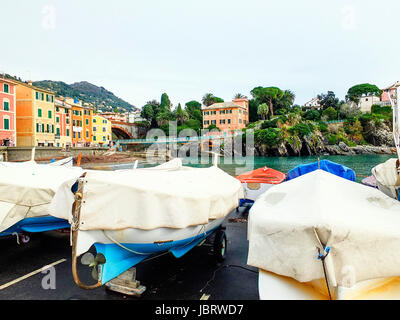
(263, 110)
(239, 96)
(181, 115)
(163, 118)
(208, 99)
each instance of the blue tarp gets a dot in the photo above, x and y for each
(325, 165)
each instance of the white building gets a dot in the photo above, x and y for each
(314, 103)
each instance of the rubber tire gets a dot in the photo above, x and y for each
(220, 245)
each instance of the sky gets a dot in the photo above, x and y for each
(141, 49)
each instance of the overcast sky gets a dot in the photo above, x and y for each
(140, 49)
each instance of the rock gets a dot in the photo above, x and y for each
(344, 146)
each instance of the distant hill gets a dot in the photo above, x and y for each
(103, 99)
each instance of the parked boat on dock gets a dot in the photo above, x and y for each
(26, 190)
(326, 165)
(258, 181)
(320, 236)
(131, 215)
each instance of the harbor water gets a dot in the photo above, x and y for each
(361, 164)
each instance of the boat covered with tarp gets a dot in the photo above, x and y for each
(322, 236)
(26, 190)
(130, 215)
(258, 181)
(387, 177)
(326, 165)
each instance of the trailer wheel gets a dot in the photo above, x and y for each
(220, 245)
(25, 238)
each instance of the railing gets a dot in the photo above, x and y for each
(173, 140)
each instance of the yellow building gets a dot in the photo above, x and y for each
(101, 131)
(35, 116)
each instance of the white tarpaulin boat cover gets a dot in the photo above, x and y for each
(26, 190)
(386, 177)
(360, 224)
(168, 196)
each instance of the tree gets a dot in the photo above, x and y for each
(328, 100)
(365, 89)
(239, 96)
(193, 108)
(329, 114)
(268, 95)
(263, 110)
(163, 118)
(147, 112)
(208, 99)
(286, 101)
(165, 104)
(181, 115)
(150, 111)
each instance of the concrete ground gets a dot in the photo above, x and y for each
(166, 277)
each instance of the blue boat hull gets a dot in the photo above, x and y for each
(326, 165)
(35, 225)
(120, 258)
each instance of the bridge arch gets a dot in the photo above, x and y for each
(121, 132)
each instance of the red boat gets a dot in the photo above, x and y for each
(258, 181)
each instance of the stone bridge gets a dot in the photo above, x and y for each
(125, 130)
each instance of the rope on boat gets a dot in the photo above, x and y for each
(202, 230)
(322, 258)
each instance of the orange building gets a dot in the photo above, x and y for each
(82, 118)
(35, 115)
(227, 116)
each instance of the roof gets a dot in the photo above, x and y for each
(60, 103)
(393, 86)
(32, 87)
(221, 105)
(8, 81)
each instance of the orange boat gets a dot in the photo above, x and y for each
(258, 181)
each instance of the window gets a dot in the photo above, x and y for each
(58, 119)
(47, 128)
(229, 121)
(68, 133)
(94, 120)
(57, 109)
(73, 122)
(6, 124)
(6, 105)
(87, 122)
(67, 120)
(79, 135)
(94, 138)
(49, 114)
(104, 129)
(74, 135)
(58, 131)
(104, 138)
(213, 121)
(87, 134)
(94, 128)
(39, 113)
(6, 88)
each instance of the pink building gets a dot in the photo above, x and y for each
(7, 113)
(389, 90)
